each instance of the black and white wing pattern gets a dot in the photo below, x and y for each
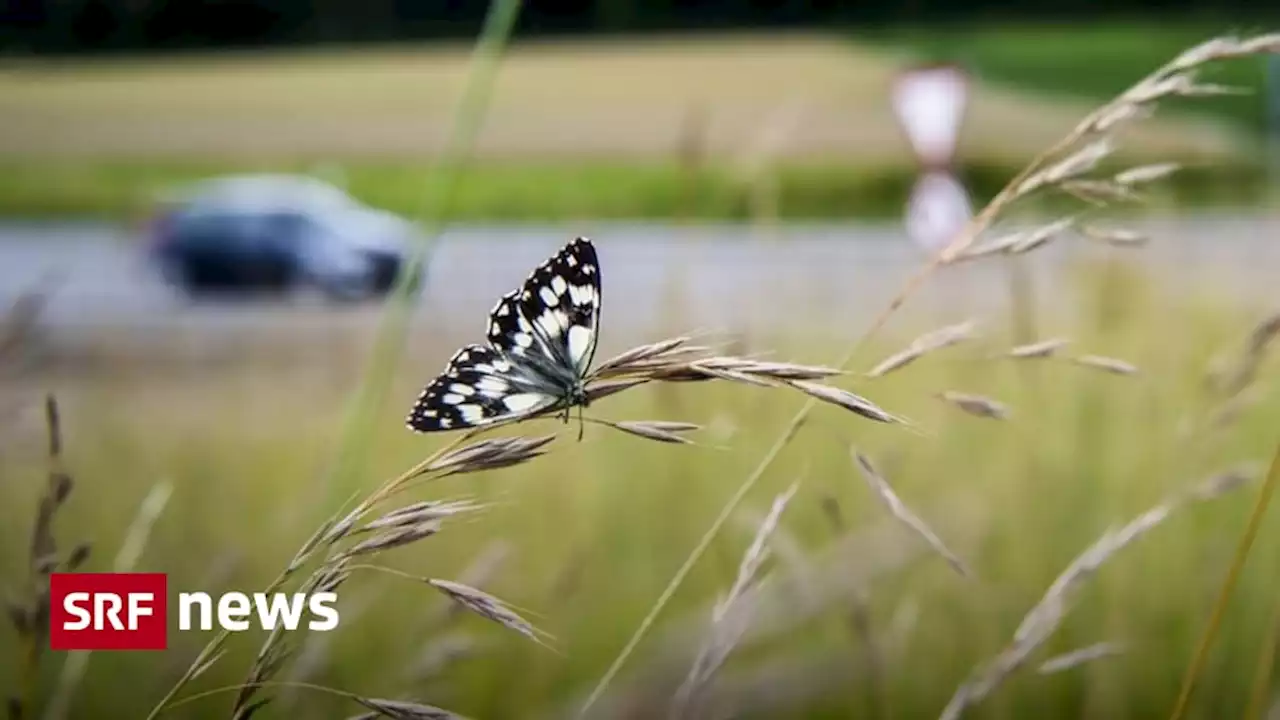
(553, 317)
(478, 386)
(542, 337)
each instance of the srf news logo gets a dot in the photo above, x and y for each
(130, 611)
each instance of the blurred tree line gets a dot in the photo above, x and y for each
(93, 26)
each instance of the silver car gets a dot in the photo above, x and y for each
(255, 234)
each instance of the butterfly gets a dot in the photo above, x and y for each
(541, 339)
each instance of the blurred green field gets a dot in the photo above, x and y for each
(583, 540)
(1094, 61)
(707, 127)
(570, 191)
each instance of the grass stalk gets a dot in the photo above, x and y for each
(1266, 664)
(267, 683)
(389, 341)
(135, 542)
(126, 560)
(1229, 582)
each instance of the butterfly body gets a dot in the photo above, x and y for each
(541, 339)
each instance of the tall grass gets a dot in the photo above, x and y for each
(1090, 507)
(1064, 167)
(494, 35)
(594, 530)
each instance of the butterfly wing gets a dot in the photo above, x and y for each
(541, 336)
(556, 311)
(478, 387)
(510, 333)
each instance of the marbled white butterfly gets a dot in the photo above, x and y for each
(542, 337)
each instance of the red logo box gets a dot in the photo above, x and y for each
(108, 611)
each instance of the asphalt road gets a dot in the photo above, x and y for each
(723, 278)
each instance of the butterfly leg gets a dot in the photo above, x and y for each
(581, 424)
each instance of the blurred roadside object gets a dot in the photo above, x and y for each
(274, 234)
(939, 207)
(929, 103)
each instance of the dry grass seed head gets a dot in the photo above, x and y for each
(929, 342)
(988, 248)
(847, 400)
(789, 371)
(1112, 117)
(404, 710)
(642, 353)
(674, 361)
(488, 606)
(976, 405)
(1077, 163)
(271, 658)
(649, 359)
(421, 512)
(489, 454)
(725, 631)
(736, 369)
(395, 537)
(1112, 365)
(758, 552)
(711, 372)
(1098, 193)
(1143, 174)
(1040, 236)
(598, 389)
(330, 575)
(1117, 237)
(659, 430)
(478, 573)
(1076, 658)
(1061, 165)
(899, 509)
(1018, 242)
(1040, 349)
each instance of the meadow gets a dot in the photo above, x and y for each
(856, 616)
(1057, 511)
(697, 127)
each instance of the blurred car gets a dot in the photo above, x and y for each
(256, 234)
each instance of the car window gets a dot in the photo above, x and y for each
(219, 229)
(284, 229)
